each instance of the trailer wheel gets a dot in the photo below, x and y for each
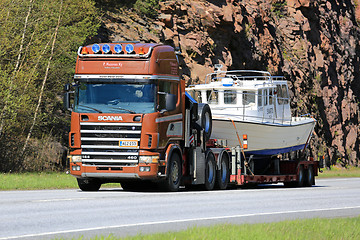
(223, 174)
(88, 184)
(210, 171)
(301, 180)
(205, 119)
(172, 182)
(310, 179)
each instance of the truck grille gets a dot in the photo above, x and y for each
(110, 144)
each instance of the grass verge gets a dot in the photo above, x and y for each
(32, 181)
(340, 172)
(337, 228)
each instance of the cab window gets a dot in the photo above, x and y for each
(270, 96)
(212, 96)
(265, 97)
(260, 97)
(229, 97)
(282, 94)
(248, 97)
(196, 95)
(285, 94)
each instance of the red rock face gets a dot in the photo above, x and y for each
(357, 10)
(315, 44)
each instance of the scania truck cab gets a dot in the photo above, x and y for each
(126, 114)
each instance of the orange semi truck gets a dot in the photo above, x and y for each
(132, 122)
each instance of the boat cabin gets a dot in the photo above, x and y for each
(249, 95)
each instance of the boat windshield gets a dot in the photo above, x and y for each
(123, 97)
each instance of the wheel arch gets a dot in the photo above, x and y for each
(223, 153)
(173, 148)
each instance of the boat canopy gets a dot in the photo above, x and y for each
(254, 94)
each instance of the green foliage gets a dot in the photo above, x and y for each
(27, 32)
(336, 228)
(30, 181)
(41, 180)
(278, 8)
(337, 172)
(147, 7)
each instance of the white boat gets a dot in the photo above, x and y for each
(256, 104)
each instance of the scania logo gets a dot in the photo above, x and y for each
(110, 118)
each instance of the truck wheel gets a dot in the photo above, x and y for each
(88, 184)
(301, 180)
(172, 182)
(210, 171)
(223, 174)
(310, 179)
(205, 119)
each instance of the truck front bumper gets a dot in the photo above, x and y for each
(141, 171)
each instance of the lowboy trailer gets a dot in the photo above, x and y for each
(132, 122)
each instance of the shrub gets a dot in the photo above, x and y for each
(147, 7)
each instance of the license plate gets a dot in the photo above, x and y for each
(128, 143)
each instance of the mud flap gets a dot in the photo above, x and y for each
(198, 163)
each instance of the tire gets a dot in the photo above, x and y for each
(301, 179)
(310, 178)
(210, 171)
(172, 181)
(87, 185)
(223, 173)
(205, 119)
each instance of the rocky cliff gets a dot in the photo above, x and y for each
(314, 43)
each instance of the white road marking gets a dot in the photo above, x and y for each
(61, 199)
(177, 221)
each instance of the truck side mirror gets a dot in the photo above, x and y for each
(67, 87)
(171, 100)
(67, 101)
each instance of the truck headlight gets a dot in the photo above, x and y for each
(148, 159)
(75, 158)
(76, 168)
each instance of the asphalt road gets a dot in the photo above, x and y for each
(48, 214)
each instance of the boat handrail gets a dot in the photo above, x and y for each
(278, 78)
(266, 119)
(239, 75)
(263, 119)
(242, 75)
(265, 73)
(304, 115)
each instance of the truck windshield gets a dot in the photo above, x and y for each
(115, 97)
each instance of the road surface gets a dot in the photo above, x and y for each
(47, 214)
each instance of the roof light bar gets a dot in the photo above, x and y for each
(95, 48)
(118, 48)
(129, 48)
(106, 48)
(84, 50)
(98, 53)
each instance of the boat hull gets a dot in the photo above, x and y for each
(264, 138)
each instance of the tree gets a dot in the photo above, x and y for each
(39, 40)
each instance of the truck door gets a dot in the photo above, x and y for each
(170, 123)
